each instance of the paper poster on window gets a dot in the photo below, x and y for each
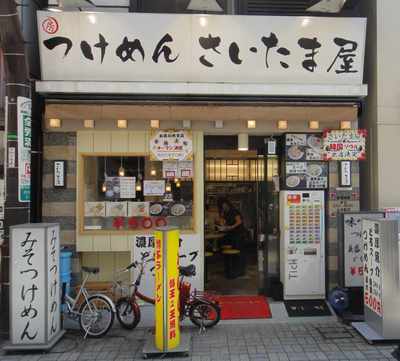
(170, 168)
(185, 169)
(154, 188)
(171, 144)
(372, 266)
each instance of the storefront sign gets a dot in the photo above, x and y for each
(35, 288)
(372, 266)
(171, 145)
(345, 173)
(345, 144)
(59, 174)
(154, 188)
(24, 149)
(198, 48)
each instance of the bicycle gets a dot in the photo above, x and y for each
(201, 309)
(95, 314)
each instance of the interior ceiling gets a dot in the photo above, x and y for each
(249, 7)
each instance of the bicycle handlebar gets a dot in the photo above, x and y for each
(133, 264)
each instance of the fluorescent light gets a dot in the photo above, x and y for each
(327, 6)
(88, 123)
(282, 124)
(243, 142)
(345, 124)
(55, 123)
(313, 124)
(122, 123)
(251, 124)
(154, 123)
(204, 5)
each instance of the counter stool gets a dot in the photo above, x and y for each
(208, 256)
(232, 263)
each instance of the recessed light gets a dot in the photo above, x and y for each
(282, 124)
(122, 123)
(345, 124)
(251, 124)
(154, 123)
(88, 123)
(55, 123)
(313, 124)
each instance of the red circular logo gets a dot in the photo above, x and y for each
(50, 25)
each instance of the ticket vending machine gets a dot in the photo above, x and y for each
(302, 246)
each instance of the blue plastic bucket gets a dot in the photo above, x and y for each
(66, 269)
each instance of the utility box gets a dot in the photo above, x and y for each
(381, 277)
(35, 319)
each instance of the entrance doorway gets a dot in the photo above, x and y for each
(239, 204)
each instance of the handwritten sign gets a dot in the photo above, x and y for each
(24, 106)
(171, 144)
(372, 266)
(345, 144)
(353, 247)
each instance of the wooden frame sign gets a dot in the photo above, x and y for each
(60, 174)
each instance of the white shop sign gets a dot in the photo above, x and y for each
(35, 286)
(201, 48)
(189, 253)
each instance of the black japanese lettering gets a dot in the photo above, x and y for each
(310, 44)
(234, 54)
(127, 48)
(56, 41)
(162, 49)
(346, 55)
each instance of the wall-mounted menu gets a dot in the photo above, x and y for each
(303, 147)
(305, 175)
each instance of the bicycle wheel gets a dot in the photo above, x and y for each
(96, 316)
(128, 313)
(205, 314)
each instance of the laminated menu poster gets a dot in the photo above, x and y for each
(353, 247)
(95, 209)
(116, 209)
(345, 144)
(306, 175)
(170, 169)
(120, 187)
(154, 187)
(372, 266)
(303, 147)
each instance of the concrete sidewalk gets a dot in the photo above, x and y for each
(228, 341)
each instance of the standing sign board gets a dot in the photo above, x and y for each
(35, 286)
(24, 148)
(381, 277)
(350, 243)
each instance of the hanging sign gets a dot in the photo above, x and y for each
(24, 148)
(59, 174)
(201, 48)
(372, 266)
(171, 144)
(345, 144)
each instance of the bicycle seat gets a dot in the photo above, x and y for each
(93, 270)
(188, 271)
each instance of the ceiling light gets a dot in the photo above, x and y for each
(313, 124)
(122, 123)
(186, 124)
(327, 6)
(154, 124)
(305, 22)
(251, 124)
(282, 124)
(55, 123)
(204, 5)
(153, 172)
(243, 142)
(345, 124)
(88, 123)
(219, 124)
(203, 21)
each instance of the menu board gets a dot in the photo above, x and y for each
(303, 147)
(170, 168)
(120, 187)
(171, 144)
(154, 187)
(345, 144)
(306, 175)
(372, 266)
(185, 169)
(353, 247)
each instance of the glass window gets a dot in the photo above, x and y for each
(129, 193)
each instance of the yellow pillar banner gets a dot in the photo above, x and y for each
(167, 335)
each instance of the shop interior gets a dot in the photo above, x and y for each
(237, 183)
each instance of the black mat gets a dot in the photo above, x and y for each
(307, 308)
